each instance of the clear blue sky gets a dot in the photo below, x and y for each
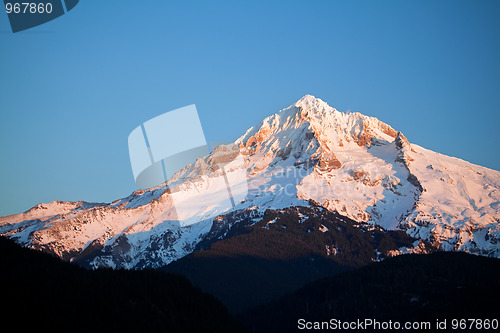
(72, 90)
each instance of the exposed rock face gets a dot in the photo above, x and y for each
(401, 141)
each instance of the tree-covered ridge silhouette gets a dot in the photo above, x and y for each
(424, 287)
(40, 292)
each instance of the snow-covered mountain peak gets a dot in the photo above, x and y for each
(313, 121)
(309, 102)
(306, 153)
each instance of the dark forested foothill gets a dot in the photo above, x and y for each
(407, 288)
(41, 293)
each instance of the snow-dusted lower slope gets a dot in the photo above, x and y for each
(142, 230)
(308, 152)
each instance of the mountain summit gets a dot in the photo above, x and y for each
(306, 154)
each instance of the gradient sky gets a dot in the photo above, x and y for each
(73, 89)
